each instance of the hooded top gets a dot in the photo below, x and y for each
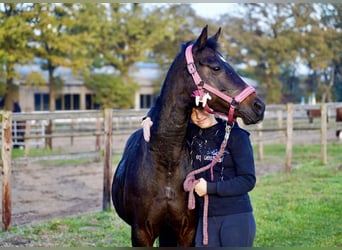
(234, 173)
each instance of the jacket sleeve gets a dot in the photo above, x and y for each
(242, 155)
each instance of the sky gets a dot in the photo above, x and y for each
(213, 10)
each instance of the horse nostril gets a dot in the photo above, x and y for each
(259, 107)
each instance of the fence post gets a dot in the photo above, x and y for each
(27, 140)
(72, 127)
(6, 171)
(289, 133)
(260, 145)
(97, 137)
(280, 122)
(107, 173)
(324, 134)
(280, 118)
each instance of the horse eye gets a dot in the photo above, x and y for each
(217, 68)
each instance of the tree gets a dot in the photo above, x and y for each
(125, 34)
(335, 19)
(59, 41)
(271, 39)
(322, 49)
(182, 25)
(180, 30)
(263, 43)
(110, 91)
(14, 47)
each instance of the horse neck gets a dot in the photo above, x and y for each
(173, 122)
(174, 112)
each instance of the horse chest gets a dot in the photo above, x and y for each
(168, 178)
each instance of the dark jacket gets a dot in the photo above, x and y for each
(234, 175)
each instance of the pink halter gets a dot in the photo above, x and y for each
(233, 102)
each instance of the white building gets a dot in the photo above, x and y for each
(74, 94)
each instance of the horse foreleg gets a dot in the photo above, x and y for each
(188, 239)
(142, 236)
(188, 230)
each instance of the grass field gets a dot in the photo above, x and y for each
(301, 209)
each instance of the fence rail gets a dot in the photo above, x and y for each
(104, 127)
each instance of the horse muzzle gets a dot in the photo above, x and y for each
(253, 112)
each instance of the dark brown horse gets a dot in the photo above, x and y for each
(147, 187)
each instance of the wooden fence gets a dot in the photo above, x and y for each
(283, 123)
(95, 124)
(102, 126)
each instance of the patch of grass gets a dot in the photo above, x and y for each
(275, 153)
(16, 152)
(99, 229)
(67, 162)
(43, 152)
(116, 159)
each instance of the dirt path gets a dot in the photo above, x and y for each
(43, 192)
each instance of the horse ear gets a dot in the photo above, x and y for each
(202, 39)
(217, 35)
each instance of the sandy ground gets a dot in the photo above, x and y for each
(41, 191)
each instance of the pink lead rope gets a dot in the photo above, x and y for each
(190, 183)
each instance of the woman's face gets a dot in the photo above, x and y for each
(202, 119)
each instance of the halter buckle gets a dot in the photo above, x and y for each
(234, 103)
(228, 129)
(191, 68)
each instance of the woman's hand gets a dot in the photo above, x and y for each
(201, 187)
(147, 124)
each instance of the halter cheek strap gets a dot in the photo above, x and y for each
(202, 86)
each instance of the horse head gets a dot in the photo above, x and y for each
(219, 86)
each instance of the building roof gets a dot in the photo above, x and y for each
(145, 71)
(64, 73)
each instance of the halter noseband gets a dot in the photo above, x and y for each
(201, 85)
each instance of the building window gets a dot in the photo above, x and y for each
(59, 103)
(76, 101)
(89, 101)
(145, 101)
(90, 104)
(65, 102)
(41, 102)
(71, 102)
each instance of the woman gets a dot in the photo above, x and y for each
(230, 214)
